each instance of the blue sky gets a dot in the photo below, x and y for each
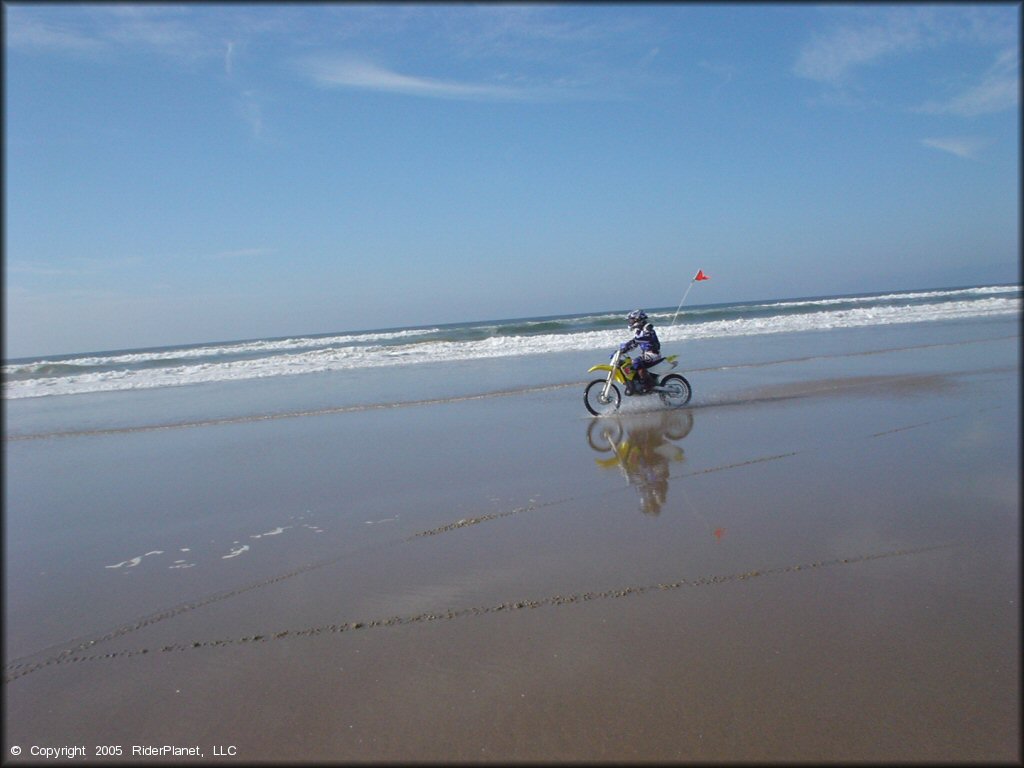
(189, 173)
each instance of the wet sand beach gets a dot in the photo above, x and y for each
(817, 560)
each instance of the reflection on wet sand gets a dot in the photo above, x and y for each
(642, 447)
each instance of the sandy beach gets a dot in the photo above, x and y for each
(817, 560)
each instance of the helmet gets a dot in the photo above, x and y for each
(636, 318)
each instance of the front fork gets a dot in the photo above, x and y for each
(611, 376)
(608, 385)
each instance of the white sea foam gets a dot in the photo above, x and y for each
(276, 532)
(302, 356)
(134, 561)
(235, 552)
(899, 297)
(219, 350)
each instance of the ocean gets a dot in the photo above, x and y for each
(403, 349)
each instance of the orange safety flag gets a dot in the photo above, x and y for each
(699, 276)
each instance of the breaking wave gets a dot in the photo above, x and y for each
(262, 358)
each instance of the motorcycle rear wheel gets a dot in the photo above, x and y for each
(598, 405)
(678, 391)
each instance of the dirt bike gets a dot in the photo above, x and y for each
(602, 396)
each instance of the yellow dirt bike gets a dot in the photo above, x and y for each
(602, 396)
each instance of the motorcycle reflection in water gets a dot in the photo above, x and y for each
(640, 446)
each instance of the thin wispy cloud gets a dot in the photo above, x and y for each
(162, 28)
(358, 74)
(831, 56)
(34, 34)
(870, 36)
(228, 59)
(515, 53)
(509, 53)
(998, 90)
(175, 32)
(851, 58)
(966, 147)
(247, 101)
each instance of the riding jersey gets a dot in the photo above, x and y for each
(646, 339)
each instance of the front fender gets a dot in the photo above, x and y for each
(618, 373)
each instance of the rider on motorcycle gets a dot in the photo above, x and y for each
(645, 338)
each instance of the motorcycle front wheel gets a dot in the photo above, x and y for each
(677, 391)
(596, 403)
(604, 435)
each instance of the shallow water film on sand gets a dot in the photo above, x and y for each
(448, 559)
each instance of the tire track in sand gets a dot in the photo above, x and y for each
(450, 614)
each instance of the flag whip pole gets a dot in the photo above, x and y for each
(681, 302)
(696, 278)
